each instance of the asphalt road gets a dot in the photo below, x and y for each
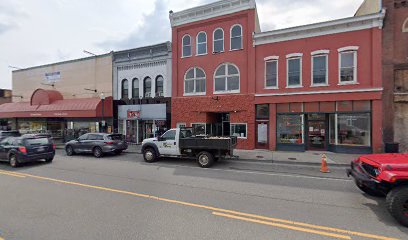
(121, 197)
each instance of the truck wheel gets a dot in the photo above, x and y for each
(397, 204)
(369, 191)
(205, 159)
(149, 155)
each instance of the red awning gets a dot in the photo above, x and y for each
(73, 108)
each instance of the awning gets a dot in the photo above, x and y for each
(51, 106)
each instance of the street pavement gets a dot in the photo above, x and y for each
(122, 197)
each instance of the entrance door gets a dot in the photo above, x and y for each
(262, 135)
(317, 132)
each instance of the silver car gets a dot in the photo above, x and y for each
(96, 143)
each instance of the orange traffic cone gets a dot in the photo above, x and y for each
(324, 168)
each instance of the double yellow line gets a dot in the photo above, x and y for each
(253, 218)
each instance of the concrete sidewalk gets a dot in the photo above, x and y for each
(304, 158)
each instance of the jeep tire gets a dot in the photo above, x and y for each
(397, 204)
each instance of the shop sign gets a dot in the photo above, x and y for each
(61, 114)
(133, 115)
(52, 77)
(35, 114)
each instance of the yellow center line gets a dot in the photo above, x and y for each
(12, 174)
(372, 236)
(279, 225)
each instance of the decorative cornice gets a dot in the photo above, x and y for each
(211, 10)
(319, 29)
(320, 92)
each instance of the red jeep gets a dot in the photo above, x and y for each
(384, 175)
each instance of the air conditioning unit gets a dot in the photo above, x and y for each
(148, 94)
(161, 94)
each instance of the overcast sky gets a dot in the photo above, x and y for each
(36, 32)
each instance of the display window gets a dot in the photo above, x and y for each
(290, 129)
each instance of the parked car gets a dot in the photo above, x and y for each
(18, 150)
(6, 134)
(384, 175)
(96, 143)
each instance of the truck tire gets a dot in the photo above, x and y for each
(150, 155)
(205, 159)
(397, 204)
(369, 191)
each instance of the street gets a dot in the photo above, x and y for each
(122, 197)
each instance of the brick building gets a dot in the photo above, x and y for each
(313, 87)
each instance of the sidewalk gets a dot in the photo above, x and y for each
(304, 158)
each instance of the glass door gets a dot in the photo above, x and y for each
(317, 132)
(262, 135)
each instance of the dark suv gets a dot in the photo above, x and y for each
(97, 144)
(30, 148)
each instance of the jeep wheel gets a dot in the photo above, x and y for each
(13, 161)
(397, 204)
(205, 159)
(149, 155)
(369, 191)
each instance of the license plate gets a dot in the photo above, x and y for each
(40, 149)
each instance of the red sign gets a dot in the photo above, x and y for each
(133, 114)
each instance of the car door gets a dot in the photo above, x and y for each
(91, 142)
(80, 143)
(167, 143)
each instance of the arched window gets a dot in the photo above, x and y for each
(147, 87)
(218, 40)
(201, 43)
(226, 78)
(405, 26)
(159, 86)
(125, 89)
(194, 81)
(236, 37)
(135, 88)
(186, 46)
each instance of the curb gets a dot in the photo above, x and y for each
(287, 162)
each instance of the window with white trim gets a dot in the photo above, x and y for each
(194, 81)
(135, 88)
(147, 87)
(348, 67)
(319, 70)
(159, 86)
(186, 46)
(294, 74)
(125, 89)
(218, 40)
(201, 43)
(226, 78)
(271, 74)
(239, 130)
(236, 37)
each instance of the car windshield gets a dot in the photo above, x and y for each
(37, 141)
(115, 137)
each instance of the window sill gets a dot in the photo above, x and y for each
(198, 55)
(319, 85)
(348, 83)
(299, 86)
(234, 50)
(194, 94)
(186, 56)
(215, 53)
(226, 92)
(271, 88)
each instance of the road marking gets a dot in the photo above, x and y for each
(11, 174)
(214, 209)
(279, 225)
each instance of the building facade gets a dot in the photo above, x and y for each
(142, 91)
(64, 99)
(314, 87)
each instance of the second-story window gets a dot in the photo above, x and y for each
(159, 86)
(271, 73)
(202, 43)
(194, 82)
(218, 43)
(294, 68)
(125, 89)
(147, 87)
(348, 65)
(236, 37)
(186, 46)
(319, 70)
(226, 78)
(135, 88)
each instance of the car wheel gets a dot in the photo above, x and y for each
(97, 152)
(48, 160)
(397, 204)
(69, 150)
(149, 155)
(13, 161)
(369, 191)
(205, 159)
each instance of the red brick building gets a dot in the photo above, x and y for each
(314, 87)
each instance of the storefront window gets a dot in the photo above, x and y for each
(354, 129)
(262, 111)
(32, 127)
(290, 129)
(239, 130)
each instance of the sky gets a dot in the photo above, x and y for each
(37, 32)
